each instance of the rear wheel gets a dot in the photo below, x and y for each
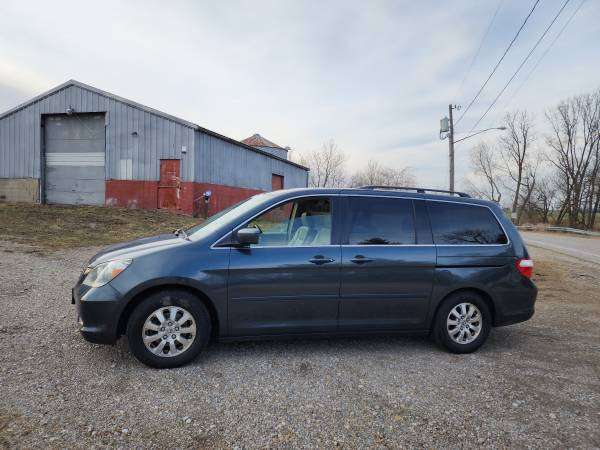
(168, 329)
(462, 323)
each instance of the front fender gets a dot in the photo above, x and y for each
(204, 272)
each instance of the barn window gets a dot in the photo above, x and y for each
(276, 182)
(126, 169)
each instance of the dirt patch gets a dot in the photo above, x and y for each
(50, 227)
(12, 426)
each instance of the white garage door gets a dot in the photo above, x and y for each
(74, 148)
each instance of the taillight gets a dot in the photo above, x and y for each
(525, 266)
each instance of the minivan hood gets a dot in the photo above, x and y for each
(136, 247)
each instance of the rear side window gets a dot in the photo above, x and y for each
(380, 221)
(454, 224)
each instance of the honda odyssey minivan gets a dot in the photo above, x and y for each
(313, 262)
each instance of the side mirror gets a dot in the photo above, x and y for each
(248, 236)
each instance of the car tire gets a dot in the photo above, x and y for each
(453, 318)
(179, 339)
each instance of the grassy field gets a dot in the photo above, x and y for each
(59, 227)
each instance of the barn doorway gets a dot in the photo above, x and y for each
(74, 147)
(169, 184)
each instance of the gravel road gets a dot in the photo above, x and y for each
(534, 384)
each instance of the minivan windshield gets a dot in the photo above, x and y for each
(226, 216)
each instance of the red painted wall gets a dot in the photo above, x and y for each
(221, 198)
(144, 194)
(132, 194)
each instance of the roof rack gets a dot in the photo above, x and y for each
(418, 190)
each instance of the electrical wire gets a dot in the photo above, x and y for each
(566, 24)
(487, 31)
(522, 64)
(498, 63)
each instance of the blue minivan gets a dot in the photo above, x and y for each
(313, 262)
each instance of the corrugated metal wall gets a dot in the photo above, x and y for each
(222, 162)
(136, 140)
(280, 152)
(157, 137)
(20, 135)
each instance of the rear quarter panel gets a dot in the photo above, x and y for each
(488, 268)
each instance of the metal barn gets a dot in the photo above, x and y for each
(77, 144)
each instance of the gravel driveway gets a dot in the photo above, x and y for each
(533, 384)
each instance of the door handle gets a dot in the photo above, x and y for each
(319, 260)
(360, 259)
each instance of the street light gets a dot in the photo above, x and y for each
(447, 126)
(479, 132)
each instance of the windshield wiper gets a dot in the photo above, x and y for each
(180, 232)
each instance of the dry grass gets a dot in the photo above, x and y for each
(59, 227)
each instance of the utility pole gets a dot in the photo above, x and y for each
(451, 146)
(447, 131)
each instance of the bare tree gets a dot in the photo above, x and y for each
(528, 185)
(543, 199)
(327, 166)
(574, 143)
(485, 164)
(515, 151)
(376, 174)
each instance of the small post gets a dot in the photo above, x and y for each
(207, 195)
(451, 148)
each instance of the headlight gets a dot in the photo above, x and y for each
(105, 272)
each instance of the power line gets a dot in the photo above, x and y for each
(545, 53)
(499, 62)
(487, 31)
(522, 64)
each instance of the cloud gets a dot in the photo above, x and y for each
(22, 79)
(376, 76)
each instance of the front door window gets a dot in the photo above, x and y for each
(299, 223)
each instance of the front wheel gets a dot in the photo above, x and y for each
(463, 323)
(168, 329)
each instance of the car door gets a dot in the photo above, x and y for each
(388, 264)
(289, 282)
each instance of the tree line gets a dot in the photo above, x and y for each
(550, 176)
(328, 168)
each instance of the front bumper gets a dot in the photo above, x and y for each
(98, 312)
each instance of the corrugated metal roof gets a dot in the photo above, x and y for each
(256, 140)
(147, 109)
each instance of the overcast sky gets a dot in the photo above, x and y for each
(374, 76)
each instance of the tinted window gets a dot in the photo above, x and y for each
(298, 223)
(454, 224)
(380, 221)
